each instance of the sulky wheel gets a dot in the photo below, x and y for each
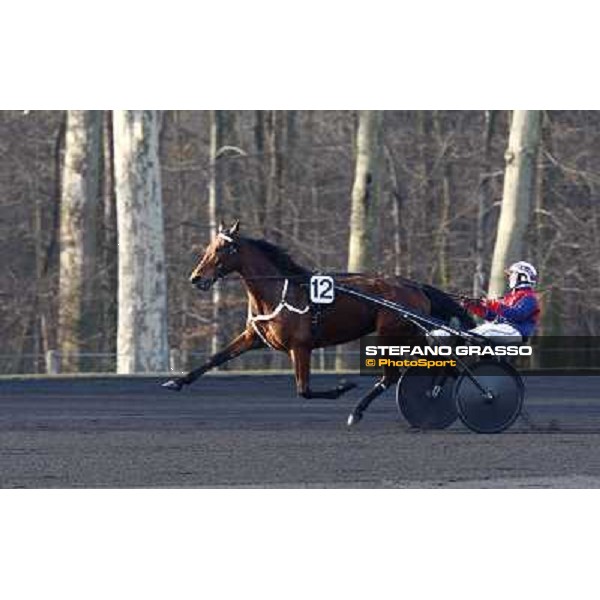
(493, 412)
(425, 397)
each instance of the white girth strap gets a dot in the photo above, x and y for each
(253, 319)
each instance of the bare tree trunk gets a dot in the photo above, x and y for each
(179, 288)
(363, 190)
(259, 143)
(482, 206)
(443, 230)
(77, 233)
(441, 237)
(109, 244)
(545, 181)
(45, 329)
(142, 323)
(423, 204)
(518, 194)
(364, 198)
(231, 171)
(35, 322)
(276, 125)
(214, 206)
(290, 206)
(396, 206)
(275, 181)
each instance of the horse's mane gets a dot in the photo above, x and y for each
(279, 257)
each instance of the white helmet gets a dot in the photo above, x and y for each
(521, 274)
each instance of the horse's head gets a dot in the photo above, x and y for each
(220, 258)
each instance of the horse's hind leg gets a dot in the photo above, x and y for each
(301, 359)
(390, 376)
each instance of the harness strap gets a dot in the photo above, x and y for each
(253, 319)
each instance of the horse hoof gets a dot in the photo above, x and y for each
(353, 419)
(173, 384)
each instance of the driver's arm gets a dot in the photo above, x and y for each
(521, 311)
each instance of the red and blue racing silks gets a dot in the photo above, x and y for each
(519, 308)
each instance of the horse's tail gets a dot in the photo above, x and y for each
(445, 308)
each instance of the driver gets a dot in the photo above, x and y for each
(513, 317)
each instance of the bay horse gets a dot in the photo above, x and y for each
(280, 314)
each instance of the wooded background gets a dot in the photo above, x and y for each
(435, 194)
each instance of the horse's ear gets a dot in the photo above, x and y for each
(235, 228)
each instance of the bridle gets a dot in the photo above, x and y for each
(230, 249)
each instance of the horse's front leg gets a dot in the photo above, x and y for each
(247, 340)
(301, 359)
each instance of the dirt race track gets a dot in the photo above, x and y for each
(251, 431)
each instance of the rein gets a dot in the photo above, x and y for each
(293, 277)
(454, 295)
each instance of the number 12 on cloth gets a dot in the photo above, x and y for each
(322, 290)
